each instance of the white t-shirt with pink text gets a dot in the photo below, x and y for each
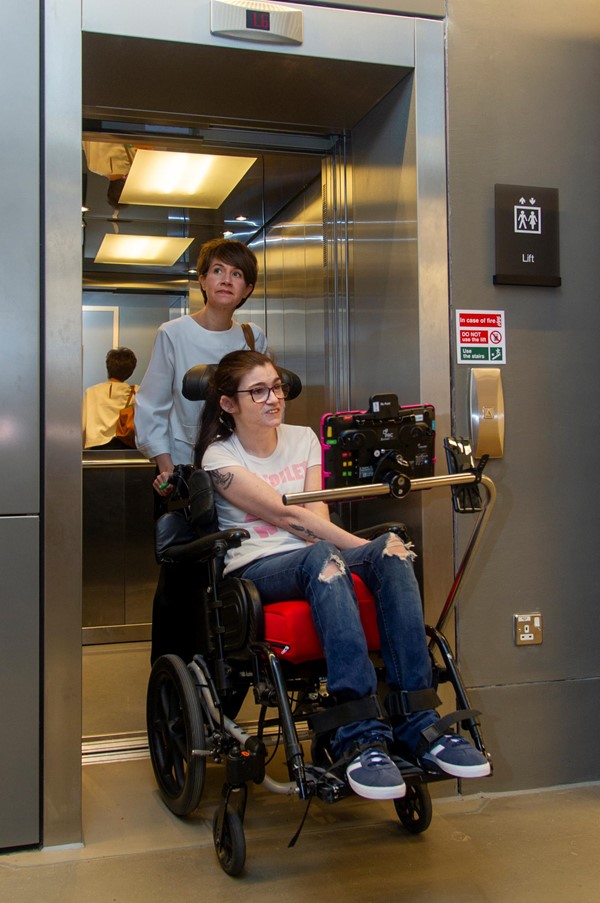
(285, 470)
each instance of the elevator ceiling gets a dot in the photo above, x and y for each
(289, 109)
(200, 86)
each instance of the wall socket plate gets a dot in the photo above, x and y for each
(528, 629)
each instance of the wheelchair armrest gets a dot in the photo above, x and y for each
(373, 532)
(215, 545)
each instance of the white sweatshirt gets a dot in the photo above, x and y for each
(165, 421)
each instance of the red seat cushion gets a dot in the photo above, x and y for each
(290, 629)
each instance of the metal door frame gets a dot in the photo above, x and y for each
(61, 239)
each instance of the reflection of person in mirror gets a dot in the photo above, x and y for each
(166, 423)
(113, 161)
(103, 402)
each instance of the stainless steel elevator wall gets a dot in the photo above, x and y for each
(295, 287)
(20, 505)
(119, 569)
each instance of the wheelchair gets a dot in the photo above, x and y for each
(273, 652)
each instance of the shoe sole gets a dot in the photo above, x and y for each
(460, 771)
(377, 793)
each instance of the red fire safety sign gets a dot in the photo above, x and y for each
(481, 336)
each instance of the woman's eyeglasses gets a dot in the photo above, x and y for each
(261, 393)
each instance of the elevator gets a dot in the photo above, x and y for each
(354, 292)
(330, 209)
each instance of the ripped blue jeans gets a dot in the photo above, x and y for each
(320, 573)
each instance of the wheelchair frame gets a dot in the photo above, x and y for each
(192, 707)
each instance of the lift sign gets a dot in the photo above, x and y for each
(481, 337)
(260, 21)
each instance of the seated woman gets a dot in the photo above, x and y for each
(296, 551)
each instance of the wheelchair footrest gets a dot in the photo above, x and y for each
(331, 784)
(329, 787)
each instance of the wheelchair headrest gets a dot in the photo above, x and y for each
(196, 382)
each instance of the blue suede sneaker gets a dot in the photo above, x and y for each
(372, 774)
(454, 755)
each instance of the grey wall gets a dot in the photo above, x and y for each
(19, 434)
(523, 108)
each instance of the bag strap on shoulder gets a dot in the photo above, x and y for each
(248, 335)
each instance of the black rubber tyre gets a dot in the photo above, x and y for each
(415, 810)
(175, 728)
(231, 853)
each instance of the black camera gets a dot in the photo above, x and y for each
(362, 447)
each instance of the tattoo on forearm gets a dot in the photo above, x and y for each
(305, 532)
(220, 479)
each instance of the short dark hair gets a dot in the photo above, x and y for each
(120, 363)
(230, 251)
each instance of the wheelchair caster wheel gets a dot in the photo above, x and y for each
(231, 849)
(415, 810)
(175, 729)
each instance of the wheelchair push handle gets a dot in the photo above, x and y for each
(178, 479)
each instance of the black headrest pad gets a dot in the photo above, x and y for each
(196, 382)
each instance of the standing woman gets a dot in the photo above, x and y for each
(296, 552)
(166, 423)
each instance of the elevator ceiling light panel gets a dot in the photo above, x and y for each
(169, 179)
(150, 250)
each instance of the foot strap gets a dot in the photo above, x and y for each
(346, 713)
(439, 728)
(405, 702)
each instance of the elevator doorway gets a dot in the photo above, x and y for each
(348, 263)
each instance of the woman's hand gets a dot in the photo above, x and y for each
(161, 483)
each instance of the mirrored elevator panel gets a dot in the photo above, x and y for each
(125, 304)
(119, 570)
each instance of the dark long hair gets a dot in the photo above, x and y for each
(215, 423)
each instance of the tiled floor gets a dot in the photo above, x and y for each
(539, 847)
(524, 848)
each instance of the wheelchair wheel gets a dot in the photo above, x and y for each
(231, 851)
(415, 810)
(175, 728)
